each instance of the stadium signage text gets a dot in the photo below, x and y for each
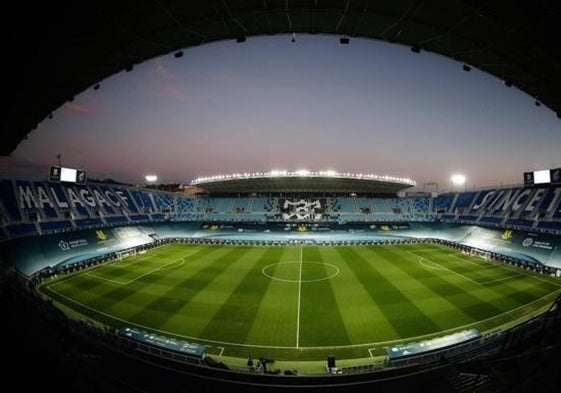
(529, 242)
(526, 200)
(67, 245)
(45, 195)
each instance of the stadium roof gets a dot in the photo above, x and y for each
(56, 50)
(303, 182)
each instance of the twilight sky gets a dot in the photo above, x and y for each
(268, 103)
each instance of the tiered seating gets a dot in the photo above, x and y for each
(35, 207)
(164, 202)
(420, 209)
(346, 206)
(8, 196)
(443, 203)
(363, 205)
(31, 199)
(29, 208)
(380, 205)
(517, 207)
(21, 230)
(333, 205)
(56, 226)
(464, 201)
(144, 201)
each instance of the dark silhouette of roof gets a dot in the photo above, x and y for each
(56, 50)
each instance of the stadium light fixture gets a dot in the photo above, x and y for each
(458, 180)
(151, 178)
(301, 173)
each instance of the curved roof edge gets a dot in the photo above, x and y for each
(303, 182)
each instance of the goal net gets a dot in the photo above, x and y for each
(126, 254)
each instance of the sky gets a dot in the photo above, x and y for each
(271, 104)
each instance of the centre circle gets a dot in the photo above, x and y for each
(300, 271)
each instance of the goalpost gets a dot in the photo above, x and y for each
(126, 253)
(484, 254)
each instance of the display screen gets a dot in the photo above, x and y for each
(542, 177)
(68, 174)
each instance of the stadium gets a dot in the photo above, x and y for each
(306, 275)
(280, 281)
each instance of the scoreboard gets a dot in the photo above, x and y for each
(543, 176)
(59, 174)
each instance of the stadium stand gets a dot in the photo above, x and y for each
(57, 228)
(32, 208)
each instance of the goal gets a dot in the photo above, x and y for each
(131, 252)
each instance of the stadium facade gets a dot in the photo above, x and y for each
(55, 227)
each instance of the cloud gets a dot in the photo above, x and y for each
(162, 70)
(77, 108)
(166, 80)
(176, 93)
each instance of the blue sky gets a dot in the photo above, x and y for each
(268, 103)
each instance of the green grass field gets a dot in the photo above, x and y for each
(302, 303)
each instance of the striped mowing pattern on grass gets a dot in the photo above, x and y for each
(303, 302)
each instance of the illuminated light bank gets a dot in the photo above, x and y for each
(303, 173)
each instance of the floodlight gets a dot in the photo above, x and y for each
(458, 179)
(151, 178)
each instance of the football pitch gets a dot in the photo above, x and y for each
(303, 303)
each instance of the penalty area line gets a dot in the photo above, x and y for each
(162, 267)
(445, 268)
